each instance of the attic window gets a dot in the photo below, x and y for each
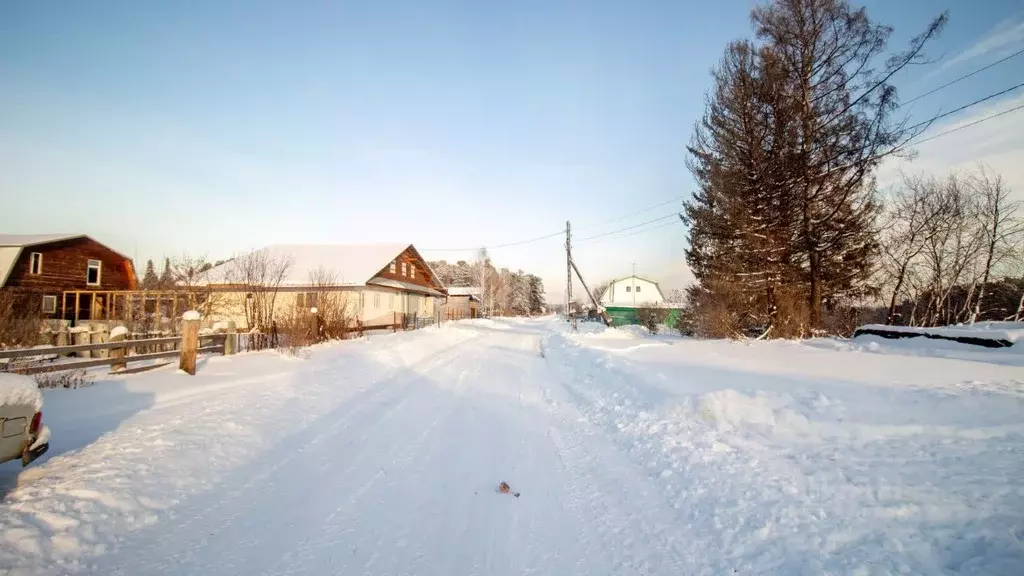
(404, 269)
(637, 288)
(36, 266)
(627, 288)
(392, 268)
(412, 271)
(92, 275)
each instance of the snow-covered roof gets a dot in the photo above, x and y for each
(23, 240)
(352, 264)
(634, 276)
(465, 291)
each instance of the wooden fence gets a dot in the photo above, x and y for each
(186, 348)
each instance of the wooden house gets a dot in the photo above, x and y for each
(464, 302)
(51, 267)
(377, 284)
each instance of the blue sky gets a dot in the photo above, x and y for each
(217, 127)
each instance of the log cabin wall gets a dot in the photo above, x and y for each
(415, 268)
(65, 266)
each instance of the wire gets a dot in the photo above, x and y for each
(672, 215)
(966, 106)
(968, 125)
(635, 232)
(964, 77)
(553, 234)
(638, 212)
(517, 243)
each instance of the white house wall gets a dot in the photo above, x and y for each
(632, 291)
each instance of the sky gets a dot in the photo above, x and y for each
(213, 128)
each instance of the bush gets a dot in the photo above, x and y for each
(63, 379)
(651, 317)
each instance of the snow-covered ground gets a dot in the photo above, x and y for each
(633, 455)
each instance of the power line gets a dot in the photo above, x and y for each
(964, 77)
(641, 231)
(672, 215)
(554, 234)
(966, 106)
(638, 212)
(968, 125)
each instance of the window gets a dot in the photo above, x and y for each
(92, 275)
(627, 288)
(637, 288)
(49, 304)
(412, 271)
(36, 266)
(403, 269)
(392, 268)
(300, 300)
(376, 299)
(305, 300)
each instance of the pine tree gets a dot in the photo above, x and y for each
(519, 294)
(843, 122)
(149, 279)
(462, 275)
(536, 294)
(166, 281)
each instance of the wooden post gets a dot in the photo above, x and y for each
(394, 322)
(231, 339)
(189, 342)
(77, 302)
(118, 334)
(63, 305)
(93, 315)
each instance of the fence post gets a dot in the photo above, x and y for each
(394, 322)
(118, 334)
(231, 339)
(189, 341)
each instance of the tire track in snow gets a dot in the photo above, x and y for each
(205, 528)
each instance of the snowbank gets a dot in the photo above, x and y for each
(990, 335)
(18, 389)
(191, 315)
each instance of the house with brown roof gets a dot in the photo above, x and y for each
(378, 284)
(48, 266)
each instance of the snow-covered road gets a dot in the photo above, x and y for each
(632, 456)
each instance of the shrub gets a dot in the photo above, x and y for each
(63, 379)
(651, 317)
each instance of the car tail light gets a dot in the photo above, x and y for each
(36, 421)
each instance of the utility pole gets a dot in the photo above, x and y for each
(568, 275)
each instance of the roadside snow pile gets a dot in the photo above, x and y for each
(989, 334)
(791, 458)
(18, 389)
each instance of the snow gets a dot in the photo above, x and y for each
(18, 389)
(1008, 331)
(81, 329)
(633, 454)
(191, 315)
(119, 331)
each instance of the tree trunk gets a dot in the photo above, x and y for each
(815, 296)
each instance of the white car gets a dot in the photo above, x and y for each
(22, 434)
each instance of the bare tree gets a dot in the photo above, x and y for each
(260, 274)
(191, 280)
(1001, 229)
